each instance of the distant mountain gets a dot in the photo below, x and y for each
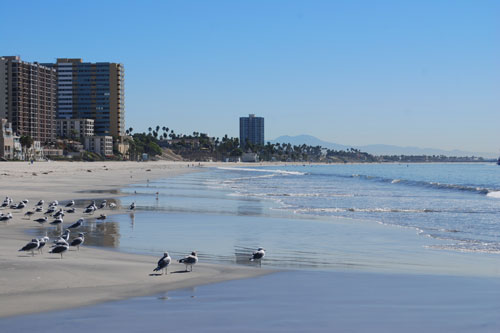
(376, 149)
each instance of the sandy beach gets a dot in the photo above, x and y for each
(89, 276)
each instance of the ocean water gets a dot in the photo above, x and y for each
(457, 204)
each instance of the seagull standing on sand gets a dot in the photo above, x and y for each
(41, 243)
(42, 220)
(258, 255)
(29, 213)
(112, 205)
(60, 249)
(63, 239)
(70, 210)
(190, 260)
(59, 213)
(76, 224)
(6, 217)
(90, 209)
(40, 203)
(20, 205)
(70, 204)
(103, 204)
(78, 241)
(163, 264)
(7, 202)
(57, 221)
(132, 206)
(31, 246)
(65, 235)
(50, 210)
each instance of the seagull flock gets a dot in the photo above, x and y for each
(62, 243)
(56, 214)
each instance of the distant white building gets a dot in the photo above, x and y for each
(102, 145)
(75, 128)
(250, 157)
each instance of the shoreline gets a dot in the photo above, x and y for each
(92, 275)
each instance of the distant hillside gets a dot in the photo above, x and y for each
(376, 149)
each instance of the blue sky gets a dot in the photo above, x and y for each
(421, 73)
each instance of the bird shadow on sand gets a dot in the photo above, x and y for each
(176, 272)
(155, 274)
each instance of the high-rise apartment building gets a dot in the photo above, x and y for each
(251, 130)
(28, 98)
(92, 91)
(75, 128)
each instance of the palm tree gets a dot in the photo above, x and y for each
(26, 142)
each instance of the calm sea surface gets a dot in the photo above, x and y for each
(458, 204)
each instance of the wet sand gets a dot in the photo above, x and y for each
(89, 276)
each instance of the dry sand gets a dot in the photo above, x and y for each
(46, 282)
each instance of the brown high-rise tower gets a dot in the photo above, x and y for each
(28, 98)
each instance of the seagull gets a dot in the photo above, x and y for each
(20, 205)
(102, 217)
(41, 243)
(7, 202)
(78, 241)
(112, 205)
(54, 203)
(103, 204)
(65, 235)
(42, 220)
(25, 201)
(132, 206)
(50, 210)
(89, 210)
(58, 215)
(31, 246)
(39, 208)
(190, 260)
(57, 221)
(76, 224)
(60, 249)
(71, 210)
(63, 239)
(91, 205)
(6, 217)
(29, 213)
(70, 204)
(40, 203)
(258, 255)
(163, 264)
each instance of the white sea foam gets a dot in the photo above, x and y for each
(283, 172)
(493, 194)
(361, 210)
